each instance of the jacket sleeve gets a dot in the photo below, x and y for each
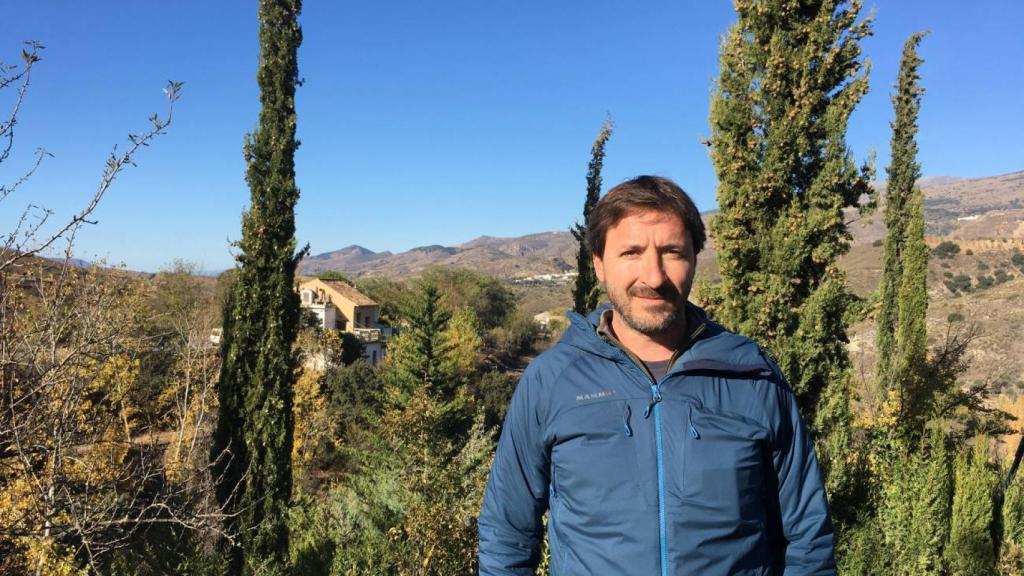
(807, 538)
(510, 525)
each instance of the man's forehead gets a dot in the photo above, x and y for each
(635, 225)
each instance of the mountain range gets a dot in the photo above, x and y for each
(977, 212)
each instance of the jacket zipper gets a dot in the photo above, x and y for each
(659, 450)
(662, 531)
(654, 407)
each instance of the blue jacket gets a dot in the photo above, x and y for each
(708, 471)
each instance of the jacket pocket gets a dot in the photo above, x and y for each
(593, 458)
(722, 466)
(556, 548)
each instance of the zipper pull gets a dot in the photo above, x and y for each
(654, 400)
(693, 431)
(625, 420)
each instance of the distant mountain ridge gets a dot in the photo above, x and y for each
(968, 209)
(543, 253)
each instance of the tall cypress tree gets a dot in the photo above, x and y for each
(901, 341)
(253, 440)
(585, 292)
(791, 73)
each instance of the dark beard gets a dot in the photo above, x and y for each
(666, 292)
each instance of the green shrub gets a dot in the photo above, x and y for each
(355, 397)
(959, 283)
(1012, 547)
(513, 339)
(493, 303)
(955, 317)
(971, 551)
(492, 392)
(946, 249)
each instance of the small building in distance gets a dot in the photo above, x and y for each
(339, 306)
(551, 323)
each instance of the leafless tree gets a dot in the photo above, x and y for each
(81, 471)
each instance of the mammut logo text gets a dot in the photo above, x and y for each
(594, 396)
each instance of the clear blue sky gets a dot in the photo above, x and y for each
(437, 122)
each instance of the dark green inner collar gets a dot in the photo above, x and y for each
(694, 326)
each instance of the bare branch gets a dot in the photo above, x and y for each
(115, 164)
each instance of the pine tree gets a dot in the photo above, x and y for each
(900, 340)
(791, 74)
(585, 292)
(422, 351)
(253, 440)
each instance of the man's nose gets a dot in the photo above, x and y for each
(652, 271)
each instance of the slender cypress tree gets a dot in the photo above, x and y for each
(253, 440)
(791, 73)
(908, 370)
(586, 291)
(913, 471)
(901, 341)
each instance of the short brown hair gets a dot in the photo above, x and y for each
(643, 194)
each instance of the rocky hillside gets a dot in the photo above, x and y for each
(965, 209)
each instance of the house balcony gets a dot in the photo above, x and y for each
(369, 334)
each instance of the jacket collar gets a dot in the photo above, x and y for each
(709, 347)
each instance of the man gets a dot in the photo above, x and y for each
(658, 442)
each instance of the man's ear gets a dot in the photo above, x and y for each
(599, 268)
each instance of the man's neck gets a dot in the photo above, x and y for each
(650, 348)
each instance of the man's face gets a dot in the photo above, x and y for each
(647, 269)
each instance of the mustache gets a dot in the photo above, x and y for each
(666, 292)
